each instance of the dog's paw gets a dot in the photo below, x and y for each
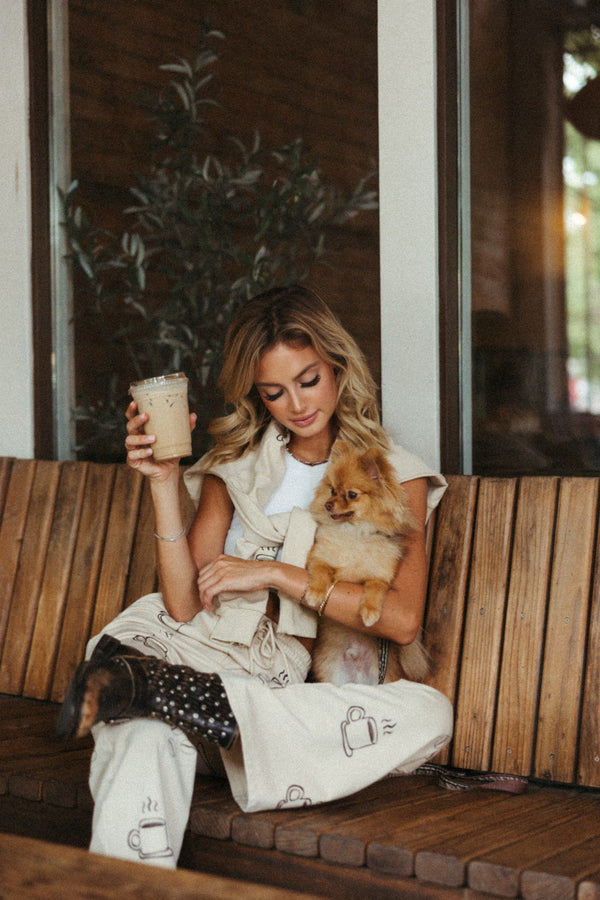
(321, 576)
(370, 614)
(312, 598)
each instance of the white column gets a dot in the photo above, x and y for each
(408, 219)
(16, 350)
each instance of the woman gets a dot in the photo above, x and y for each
(232, 604)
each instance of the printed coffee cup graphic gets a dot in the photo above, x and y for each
(150, 839)
(294, 797)
(359, 730)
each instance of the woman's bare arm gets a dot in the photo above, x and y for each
(404, 603)
(178, 557)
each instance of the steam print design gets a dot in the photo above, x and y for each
(360, 730)
(281, 680)
(151, 642)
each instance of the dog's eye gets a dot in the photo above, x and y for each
(352, 495)
(333, 492)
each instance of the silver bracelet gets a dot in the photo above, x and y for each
(170, 540)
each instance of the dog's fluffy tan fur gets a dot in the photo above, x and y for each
(363, 518)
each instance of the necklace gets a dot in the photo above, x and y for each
(305, 462)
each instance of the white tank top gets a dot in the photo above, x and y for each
(297, 488)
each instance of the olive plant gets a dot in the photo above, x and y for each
(207, 231)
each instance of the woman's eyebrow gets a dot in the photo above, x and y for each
(300, 374)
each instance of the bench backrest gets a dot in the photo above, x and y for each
(76, 546)
(512, 624)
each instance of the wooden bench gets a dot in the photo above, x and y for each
(513, 628)
(37, 869)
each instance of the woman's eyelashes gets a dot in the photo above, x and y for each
(312, 383)
(270, 398)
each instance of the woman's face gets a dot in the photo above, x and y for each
(298, 388)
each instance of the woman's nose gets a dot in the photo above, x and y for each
(295, 401)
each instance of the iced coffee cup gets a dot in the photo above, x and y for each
(165, 400)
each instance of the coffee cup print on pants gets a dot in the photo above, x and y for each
(358, 730)
(150, 838)
(295, 796)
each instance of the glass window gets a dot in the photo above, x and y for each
(534, 155)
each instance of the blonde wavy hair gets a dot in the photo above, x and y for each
(298, 317)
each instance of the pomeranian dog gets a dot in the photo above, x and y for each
(363, 518)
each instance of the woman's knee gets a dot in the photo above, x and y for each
(440, 715)
(133, 736)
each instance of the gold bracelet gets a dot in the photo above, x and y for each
(326, 597)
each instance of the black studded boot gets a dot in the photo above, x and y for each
(111, 687)
(110, 646)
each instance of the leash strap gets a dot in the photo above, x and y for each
(465, 780)
(383, 652)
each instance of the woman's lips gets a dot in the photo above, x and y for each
(307, 420)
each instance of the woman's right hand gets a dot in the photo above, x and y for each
(139, 446)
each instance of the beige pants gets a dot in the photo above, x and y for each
(301, 744)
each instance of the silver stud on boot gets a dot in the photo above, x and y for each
(194, 701)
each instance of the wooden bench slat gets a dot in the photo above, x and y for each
(445, 861)
(589, 887)
(53, 784)
(564, 653)
(118, 545)
(260, 829)
(37, 745)
(6, 464)
(85, 573)
(516, 715)
(57, 573)
(588, 762)
(213, 817)
(143, 578)
(302, 833)
(41, 870)
(298, 831)
(18, 705)
(17, 485)
(347, 843)
(504, 865)
(393, 851)
(448, 581)
(62, 762)
(22, 726)
(38, 505)
(563, 871)
(484, 622)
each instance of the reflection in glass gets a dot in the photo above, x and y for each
(535, 225)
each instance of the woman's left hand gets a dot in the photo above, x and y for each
(231, 573)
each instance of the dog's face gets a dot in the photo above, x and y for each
(359, 487)
(349, 493)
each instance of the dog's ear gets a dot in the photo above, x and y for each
(371, 463)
